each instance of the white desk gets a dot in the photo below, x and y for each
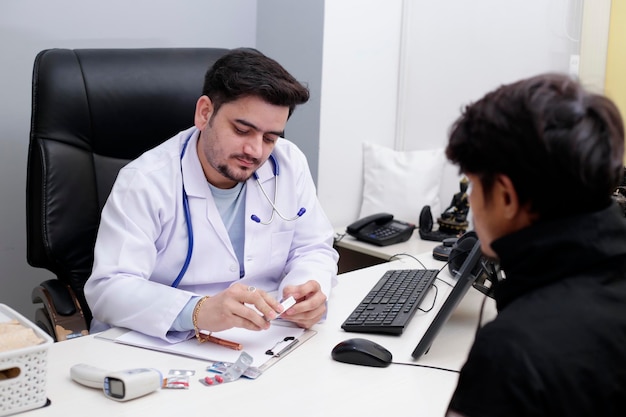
(307, 382)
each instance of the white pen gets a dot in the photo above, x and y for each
(287, 304)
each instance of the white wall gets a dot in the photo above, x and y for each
(459, 50)
(28, 26)
(594, 44)
(359, 94)
(423, 69)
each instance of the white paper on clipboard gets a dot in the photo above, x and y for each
(255, 343)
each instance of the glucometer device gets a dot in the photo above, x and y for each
(120, 385)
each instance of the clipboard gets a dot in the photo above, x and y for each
(306, 335)
(255, 343)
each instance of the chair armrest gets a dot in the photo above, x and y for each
(61, 308)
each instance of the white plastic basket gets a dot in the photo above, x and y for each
(27, 390)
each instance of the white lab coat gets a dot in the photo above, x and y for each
(142, 240)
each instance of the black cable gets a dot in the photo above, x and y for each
(409, 255)
(427, 366)
(445, 282)
(434, 299)
(444, 265)
(438, 272)
(451, 258)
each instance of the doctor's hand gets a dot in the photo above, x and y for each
(227, 309)
(310, 306)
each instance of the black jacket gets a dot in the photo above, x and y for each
(558, 344)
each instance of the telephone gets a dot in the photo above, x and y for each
(381, 229)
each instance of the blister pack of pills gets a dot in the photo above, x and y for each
(232, 372)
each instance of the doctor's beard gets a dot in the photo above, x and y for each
(239, 174)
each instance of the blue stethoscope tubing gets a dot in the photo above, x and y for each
(254, 217)
(187, 221)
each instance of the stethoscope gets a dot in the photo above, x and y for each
(254, 217)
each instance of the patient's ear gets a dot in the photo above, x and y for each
(520, 215)
(508, 196)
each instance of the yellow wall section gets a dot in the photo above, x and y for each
(615, 81)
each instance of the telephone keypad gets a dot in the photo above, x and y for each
(393, 232)
(385, 232)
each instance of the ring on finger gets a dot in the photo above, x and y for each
(251, 288)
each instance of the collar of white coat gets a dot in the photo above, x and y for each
(265, 171)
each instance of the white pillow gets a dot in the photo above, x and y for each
(401, 182)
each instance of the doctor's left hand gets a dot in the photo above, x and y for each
(227, 309)
(310, 304)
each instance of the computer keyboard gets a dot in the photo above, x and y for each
(392, 302)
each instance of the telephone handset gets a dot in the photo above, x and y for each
(381, 229)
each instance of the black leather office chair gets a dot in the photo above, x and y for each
(93, 110)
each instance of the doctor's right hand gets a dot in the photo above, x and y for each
(228, 309)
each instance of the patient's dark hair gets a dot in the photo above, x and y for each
(561, 146)
(246, 72)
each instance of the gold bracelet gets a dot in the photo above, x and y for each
(194, 317)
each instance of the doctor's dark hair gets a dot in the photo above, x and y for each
(246, 72)
(561, 146)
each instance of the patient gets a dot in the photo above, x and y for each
(543, 157)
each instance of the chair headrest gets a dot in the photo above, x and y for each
(99, 99)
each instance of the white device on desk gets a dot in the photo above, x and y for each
(121, 385)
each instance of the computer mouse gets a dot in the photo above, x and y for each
(361, 352)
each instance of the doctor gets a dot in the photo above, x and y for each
(221, 215)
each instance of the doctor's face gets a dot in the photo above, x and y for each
(237, 139)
